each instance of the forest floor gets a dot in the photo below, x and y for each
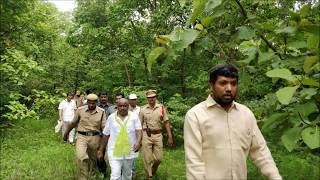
(31, 150)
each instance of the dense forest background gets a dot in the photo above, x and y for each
(168, 45)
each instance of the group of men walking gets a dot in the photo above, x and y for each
(219, 133)
(123, 128)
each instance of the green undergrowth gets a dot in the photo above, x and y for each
(31, 150)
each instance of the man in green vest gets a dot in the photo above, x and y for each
(122, 133)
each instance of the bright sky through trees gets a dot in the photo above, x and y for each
(64, 5)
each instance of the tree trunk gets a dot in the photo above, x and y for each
(128, 75)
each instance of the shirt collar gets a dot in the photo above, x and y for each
(155, 106)
(104, 105)
(87, 109)
(211, 103)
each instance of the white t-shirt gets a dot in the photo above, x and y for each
(135, 110)
(68, 109)
(112, 128)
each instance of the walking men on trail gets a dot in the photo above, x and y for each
(152, 116)
(220, 133)
(122, 133)
(89, 121)
(67, 108)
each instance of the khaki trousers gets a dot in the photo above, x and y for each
(86, 151)
(152, 153)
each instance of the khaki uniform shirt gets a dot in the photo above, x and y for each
(217, 143)
(152, 117)
(87, 121)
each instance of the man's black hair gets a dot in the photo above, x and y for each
(120, 94)
(226, 70)
(88, 91)
(103, 93)
(70, 94)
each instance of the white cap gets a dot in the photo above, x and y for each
(132, 96)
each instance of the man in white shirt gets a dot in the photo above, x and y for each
(135, 109)
(122, 133)
(67, 108)
(133, 104)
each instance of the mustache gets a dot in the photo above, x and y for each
(227, 94)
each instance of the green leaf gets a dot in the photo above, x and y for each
(286, 30)
(198, 6)
(297, 44)
(265, 56)
(307, 93)
(311, 136)
(274, 120)
(181, 38)
(246, 33)
(291, 137)
(313, 41)
(285, 94)
(309, 62)
(154, 54)
(310, 82)
(212, 4)
(248, 48)
(281, 73)
(207, 21)
(306, 109)
(309, 27)
(305, 10)
(182, 2)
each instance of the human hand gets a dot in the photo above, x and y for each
(100, 155)
(136, 147)
(170, 141)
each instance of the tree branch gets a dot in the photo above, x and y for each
(269, 44)
(244, 13)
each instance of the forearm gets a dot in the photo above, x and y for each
(139, 136)
(262, 157)
(60, 115)
(103, 142)
(168, 128)
(195, 164)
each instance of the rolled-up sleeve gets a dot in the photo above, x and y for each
(261, 155)
(195, 166)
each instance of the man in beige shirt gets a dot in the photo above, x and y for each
(152, 116)
(90, 120)
(219, 134)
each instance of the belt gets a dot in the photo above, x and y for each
(153, 131)
(89, 133)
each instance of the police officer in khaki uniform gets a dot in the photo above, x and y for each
(90, 120)
(152, 116)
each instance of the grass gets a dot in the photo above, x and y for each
(31, 150)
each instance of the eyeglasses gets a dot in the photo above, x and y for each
(151, 97)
